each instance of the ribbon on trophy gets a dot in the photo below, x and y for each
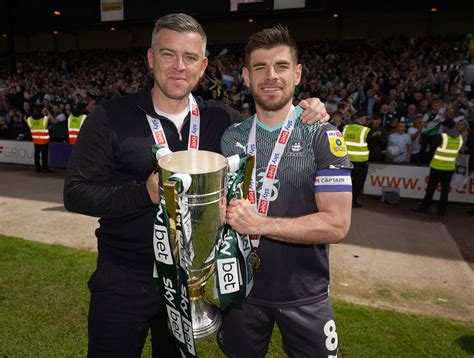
(174, 253)
(231, 282)
(171, 245)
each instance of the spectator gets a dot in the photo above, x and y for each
(415, 134)
(388, 119)
(57, 123)
(410, 115)
(246, 110)
(336, 120)
(3, 127)
(377, 139)
(403, 141)
(16, 125)
(462, 127)
(432, 128)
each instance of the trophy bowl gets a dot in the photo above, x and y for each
(203, 216)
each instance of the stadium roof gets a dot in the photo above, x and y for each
(38, 15)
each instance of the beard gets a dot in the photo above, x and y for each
(273, 103)
(173, 93)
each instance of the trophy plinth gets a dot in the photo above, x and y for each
(205, 315)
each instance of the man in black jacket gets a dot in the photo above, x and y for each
(110, 176)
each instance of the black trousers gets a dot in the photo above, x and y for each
(358, 175)
(437, 176)
(124, 307)
(41, 156)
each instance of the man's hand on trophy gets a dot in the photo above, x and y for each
(152, 188)
(314, 111)
(241, 216)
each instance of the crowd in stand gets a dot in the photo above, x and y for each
(404, 86)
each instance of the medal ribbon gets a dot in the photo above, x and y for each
(194, 127)
(262, 204)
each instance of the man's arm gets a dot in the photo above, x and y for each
(89, 188)
(329, 225)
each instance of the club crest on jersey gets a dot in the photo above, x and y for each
(296, 148)
(336, 143)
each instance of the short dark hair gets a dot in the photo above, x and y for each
(269, 38)
(449, 123)
(180, 23)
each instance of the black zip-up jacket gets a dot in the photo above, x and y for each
(111, 162)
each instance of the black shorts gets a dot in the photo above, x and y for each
(307, 331)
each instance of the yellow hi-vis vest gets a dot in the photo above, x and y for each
(39, 129)
(446, 153)
(74, 125)
(355, 136)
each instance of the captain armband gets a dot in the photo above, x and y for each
(333, 180)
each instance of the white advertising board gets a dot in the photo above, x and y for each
(18, 152)
(412, 181)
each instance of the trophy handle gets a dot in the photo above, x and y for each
(171, 188)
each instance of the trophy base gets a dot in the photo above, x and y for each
(206, 318)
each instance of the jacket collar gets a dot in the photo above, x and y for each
(145, 102)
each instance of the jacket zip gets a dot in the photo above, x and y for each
(178, 131)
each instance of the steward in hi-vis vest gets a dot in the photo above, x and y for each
(442, 167)
(39, 129)
(74, 123)
(446, 153)
(355, 136)
(38, 123)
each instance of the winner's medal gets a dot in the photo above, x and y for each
(255, 259)
(262, 203)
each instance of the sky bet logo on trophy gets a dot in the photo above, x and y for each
(190, 240)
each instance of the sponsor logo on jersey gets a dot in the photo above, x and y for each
(337, 145)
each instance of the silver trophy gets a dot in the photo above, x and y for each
(203, 204)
